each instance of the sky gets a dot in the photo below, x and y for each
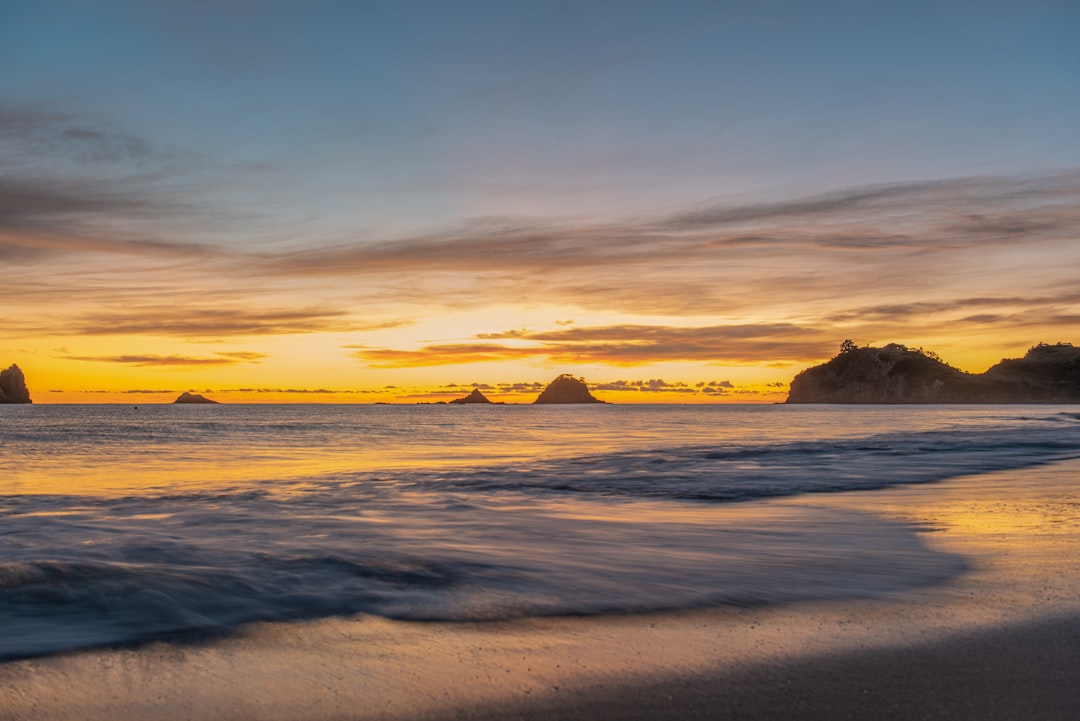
(399, 201)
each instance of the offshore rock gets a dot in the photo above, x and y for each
(13, 386)
(475, 397)
(567, 389)
(897, 374)
(192, 398)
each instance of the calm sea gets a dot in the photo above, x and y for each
(120, 524)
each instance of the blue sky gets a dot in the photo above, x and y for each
(327, 129)
(420, 114)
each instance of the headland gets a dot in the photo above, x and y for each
(898, 374)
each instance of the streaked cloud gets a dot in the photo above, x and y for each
(223, 322)
(150, 360)
(627, 345)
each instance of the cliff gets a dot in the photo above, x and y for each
(192, 398)
(897, 374)
(475, 397)
(13, 386)
(567, 389)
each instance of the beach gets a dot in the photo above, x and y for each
(997, 641)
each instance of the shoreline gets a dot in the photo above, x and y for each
(998, 637)
(1020, 673)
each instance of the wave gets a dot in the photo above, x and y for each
(625, 532)
(764, 470)
(146, 580)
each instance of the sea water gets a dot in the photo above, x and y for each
(123, 524)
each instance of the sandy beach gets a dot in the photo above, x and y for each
(1000, 641)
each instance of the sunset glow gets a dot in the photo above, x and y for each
(355, 203)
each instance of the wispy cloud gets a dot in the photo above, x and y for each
(40, 130)
(299, 391)
(948, 248)
(935, 215)
(939, 238)
(892, 311)
(149, 360)
(625, 345)
(222, 322)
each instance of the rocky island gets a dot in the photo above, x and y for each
(13, 386)
(898, 374)
(567, 389)
(193, 398)
(475, 397)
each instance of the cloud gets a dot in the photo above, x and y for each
(441, 355)
(893, 311)
(932, 215)
(805, 256)
(626, 345)
(296, 391)
(841, 258)
(38, 130)
(962, 210)
(219, 359)
(86, 216)
(653, 385)
(66, 185)
(222, 322)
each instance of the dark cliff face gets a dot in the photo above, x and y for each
(1047, 374)
(895, 374)
(13, 386)
(567, 389)
(475, 397)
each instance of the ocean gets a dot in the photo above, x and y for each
(124, 524)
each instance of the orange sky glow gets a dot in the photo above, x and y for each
(723, 305)
(356, 202)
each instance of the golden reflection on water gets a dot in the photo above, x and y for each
(168, 468)
(1015, 518)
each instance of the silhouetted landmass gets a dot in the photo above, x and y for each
(567, 389)
(897, 374)
(13, 386)
(192, 398)
(475, 397)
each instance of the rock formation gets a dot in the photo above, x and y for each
(13, 386)
(897, 374)
(567, 389)
(475, 397)
(192, 398)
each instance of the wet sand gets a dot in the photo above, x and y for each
(1001, 641)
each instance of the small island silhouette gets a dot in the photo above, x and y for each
(13, 386)
(898, 374)
(567, 389)
(193, 398)
(475, 397)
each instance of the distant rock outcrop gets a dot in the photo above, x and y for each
(897, 374)
(475, 397)
(193, 398)
(567, 389)
(13, 386)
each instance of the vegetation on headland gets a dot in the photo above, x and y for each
(1048, 373)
